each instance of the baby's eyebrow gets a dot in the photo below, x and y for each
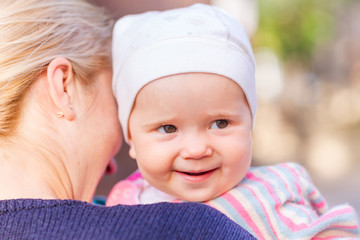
(158, 122)
(224, 114)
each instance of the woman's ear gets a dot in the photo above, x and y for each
(60, 77)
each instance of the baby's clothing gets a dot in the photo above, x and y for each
(271, 202)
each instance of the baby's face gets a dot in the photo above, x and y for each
(191, 135)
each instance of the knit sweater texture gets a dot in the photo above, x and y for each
(68, 219)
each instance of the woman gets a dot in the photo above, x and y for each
(59, 128)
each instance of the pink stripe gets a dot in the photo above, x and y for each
(298, 187)
(326, 238)
(334, 214)
(345, 226)
(291, 194)
(283, 180)
(136, 175)
(244, 214)
(264, 210)
(306, 211)
(314, 196)
(313, 193)
(268, 187)
(298, 227)
(271, 193)
(283, 218)
(319, 205)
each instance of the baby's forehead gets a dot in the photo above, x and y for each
(199, 83)
(193, 98)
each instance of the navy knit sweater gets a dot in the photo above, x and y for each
(68, 219)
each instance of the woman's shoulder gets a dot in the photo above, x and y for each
(37, 219)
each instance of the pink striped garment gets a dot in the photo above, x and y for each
(271, 202)
(281, 202)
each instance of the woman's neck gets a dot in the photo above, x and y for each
(30, 173)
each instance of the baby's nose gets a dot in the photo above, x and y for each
(196, 148)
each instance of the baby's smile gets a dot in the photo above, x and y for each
(197, 173)
(196, 176)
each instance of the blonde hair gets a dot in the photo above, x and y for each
(34, 32)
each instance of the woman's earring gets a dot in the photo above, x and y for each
(60, 114)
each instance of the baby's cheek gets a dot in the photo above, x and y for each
(235, 150)
(153, 164)
(237, 159)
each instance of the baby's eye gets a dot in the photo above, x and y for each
(167, 129)
(220, 124)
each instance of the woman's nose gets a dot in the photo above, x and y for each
(196, 147)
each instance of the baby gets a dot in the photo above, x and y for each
(184, 80)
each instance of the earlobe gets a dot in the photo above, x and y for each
(132, 152)
(60, 77)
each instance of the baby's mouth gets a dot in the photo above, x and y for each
(198, 173)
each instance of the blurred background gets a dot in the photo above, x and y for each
(308, 85)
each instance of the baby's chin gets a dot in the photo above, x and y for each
(198, 197)
(204, 195)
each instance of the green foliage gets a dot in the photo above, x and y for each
(294, 28)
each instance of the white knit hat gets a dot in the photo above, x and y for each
(199, 38)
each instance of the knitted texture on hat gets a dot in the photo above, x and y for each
(199, 38)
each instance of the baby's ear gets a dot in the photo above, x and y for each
(132, 152)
